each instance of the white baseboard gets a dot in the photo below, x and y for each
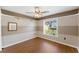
(19, 42)
(58, 41)
(40, 37)
(62, 43)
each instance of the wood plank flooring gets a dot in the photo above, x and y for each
(39, 45)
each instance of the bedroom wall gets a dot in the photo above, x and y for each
(67, 28)
(78, 30)
(26, 29)
(0, 30)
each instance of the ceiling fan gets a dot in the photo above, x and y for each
(37, 12)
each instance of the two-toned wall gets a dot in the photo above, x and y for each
(25, 30)
(78, 31)
(67, 28)
(0, 31)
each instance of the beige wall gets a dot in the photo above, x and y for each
(29, 28)
(78, 30)
(0, 30)
(26, 29)
(22, 23)
(68, 27)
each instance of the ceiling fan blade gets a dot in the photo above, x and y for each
(45, 12)
(29, 12)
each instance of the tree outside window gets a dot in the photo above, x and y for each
(51, 27)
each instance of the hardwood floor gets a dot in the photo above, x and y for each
(39, 45)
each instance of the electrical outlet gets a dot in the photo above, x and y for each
(64, 38)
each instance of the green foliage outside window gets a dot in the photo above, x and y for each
(51, 27)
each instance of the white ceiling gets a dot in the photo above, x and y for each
(51, 9)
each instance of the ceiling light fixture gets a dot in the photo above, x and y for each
(37, 14)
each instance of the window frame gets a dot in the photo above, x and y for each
(51, 19)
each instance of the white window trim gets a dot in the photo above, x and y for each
(44, 27)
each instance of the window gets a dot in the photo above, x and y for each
(51, 27)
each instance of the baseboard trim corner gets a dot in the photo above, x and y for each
(18, 42)
(62, 43)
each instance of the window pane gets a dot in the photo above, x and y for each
(51, 27)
